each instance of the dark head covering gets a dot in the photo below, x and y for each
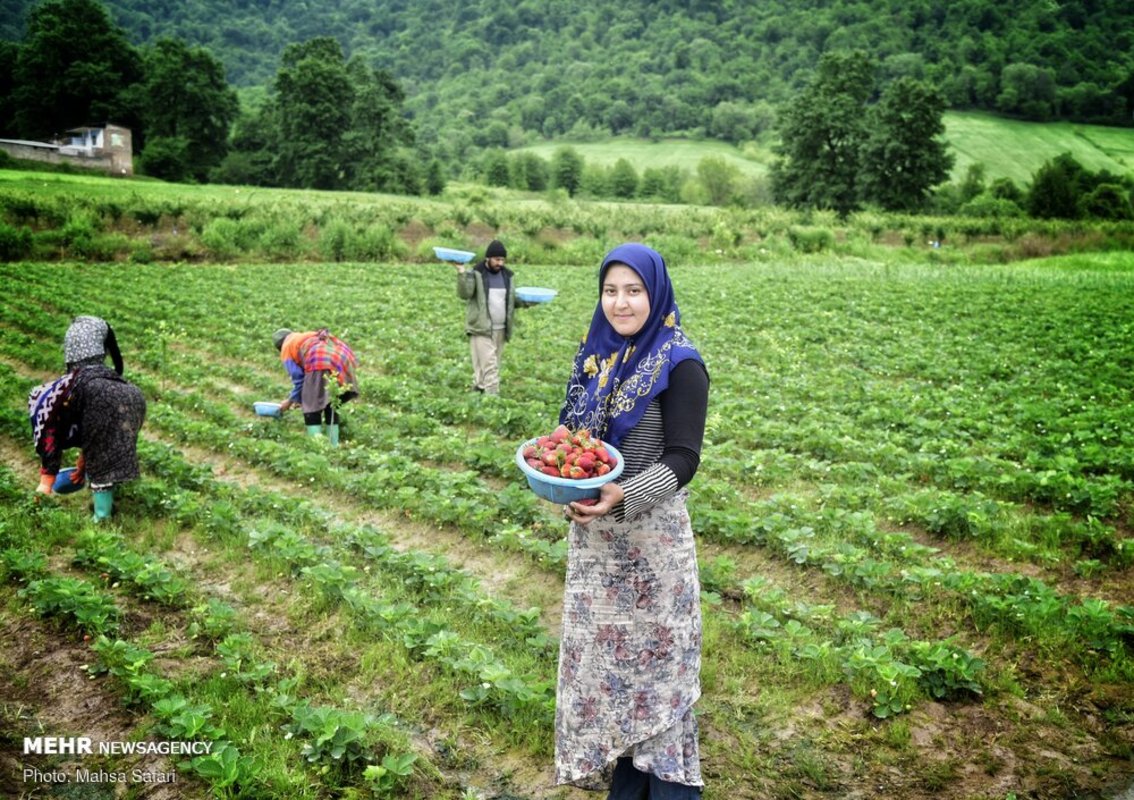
(615, 377)
(495, 249)
(279, 336)
(90, 340)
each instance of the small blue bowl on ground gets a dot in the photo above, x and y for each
(566, 490)
(535, 294)
(63, 483)
(456, 256)
(266, 409)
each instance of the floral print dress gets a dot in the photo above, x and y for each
(630, 652)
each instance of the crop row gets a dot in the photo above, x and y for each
(869, 418)
(847, 545)
(339, 582)
(341, 740)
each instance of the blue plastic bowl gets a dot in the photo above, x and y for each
(535, 294)
(458, 256)
(266, 409)
(566, 490)
(63, 483)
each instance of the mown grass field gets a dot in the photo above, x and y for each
(1007, 148)
(914, 519)
(682, 153)
(1016, 149)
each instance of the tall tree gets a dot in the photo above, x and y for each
(187, 99)
(379, 133)
(718, 178)
(9, 56)
(314, 98)
(529, 171)
(904, 155)
(1057, 189)
(74, 69)
(567, 169)
(822, 131)
(623, 179)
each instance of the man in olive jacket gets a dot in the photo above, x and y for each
(491, 297)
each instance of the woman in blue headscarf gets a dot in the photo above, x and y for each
(630, 652)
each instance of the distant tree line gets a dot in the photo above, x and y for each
(858, 133)
(1061, 188)
(484, 74)
(327, 123)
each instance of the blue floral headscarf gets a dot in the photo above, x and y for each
(615, 377)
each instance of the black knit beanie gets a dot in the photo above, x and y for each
(494, 249)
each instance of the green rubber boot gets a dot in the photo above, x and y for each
(103, 504)
(314, 430)
(333, 434)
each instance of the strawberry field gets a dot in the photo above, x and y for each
(914, 517)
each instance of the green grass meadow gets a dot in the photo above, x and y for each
(1007, 148)
(681, 153)
(1016, 149)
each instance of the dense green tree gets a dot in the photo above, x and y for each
(657, 68)
(1056, 189)
(251, 157)
(74, 69)
(378, 132)
(662, 183)
(495, 168)
(719, 179)
(822, 131)
(9, 55)
(1006, 189)
(1108, 201)
(595, 181)
(186, 98)
(330, 124)
(567, 170)
(731, 122)
(904, 156)
(1027, 90)
(530, 172)
(623, 179)
(973, 184)
(405, 174)
(166, 157)
(314, 97)
(434, 178)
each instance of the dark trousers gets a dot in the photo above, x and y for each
(629, 783)
(327, 415)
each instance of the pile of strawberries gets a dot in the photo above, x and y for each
(564, 454)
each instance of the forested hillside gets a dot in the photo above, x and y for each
(648, 67)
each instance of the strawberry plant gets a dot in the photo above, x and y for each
(74, 601)
(224, 768)
(387, 778)
(332, 737)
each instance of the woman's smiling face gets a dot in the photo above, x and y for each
(625, 301)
